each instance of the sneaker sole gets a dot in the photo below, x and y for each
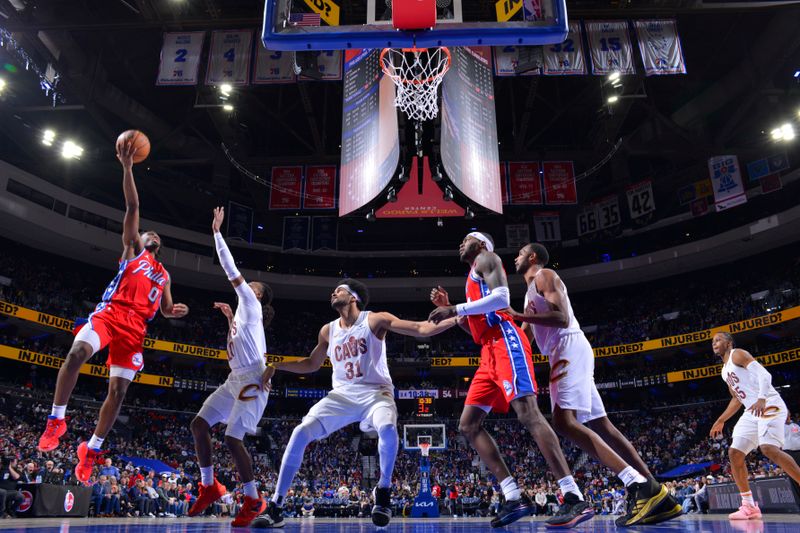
(651, 504)
(663, 517)
(512, 517)
(571, 523)
(260, 522)
(381, 519)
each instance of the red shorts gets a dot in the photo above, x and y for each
(506, 369)
(122, 330)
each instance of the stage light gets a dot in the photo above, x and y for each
(439, 222)
(614, 76)
(469, 214)
(70, 150)
(613, 99)
(437, 174)
(371, 216)
(2, 85)
(228, 107)
(391, 196)
(788, 132)
(48, 137)
(448, 194)
(226, 89)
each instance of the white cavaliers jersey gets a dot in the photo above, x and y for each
(744, 384)
(247, 345)
(357, 355)
(547, 336)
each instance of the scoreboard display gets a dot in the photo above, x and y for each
(424, 407)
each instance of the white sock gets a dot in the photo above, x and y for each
(387, 453)
(95, 443)
(747, 498)
(250, 489)
(58, 411)
(630, 476)
(567, 484)
(510, 489)
(206, 475)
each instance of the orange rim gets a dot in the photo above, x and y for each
(404, 81)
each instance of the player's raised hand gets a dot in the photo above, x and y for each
(716, 429)
(439, 297)
(180, 310)
(219, 216)
(225, 308)
(125, 153)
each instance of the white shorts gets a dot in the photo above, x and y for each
(348, 405)
(751, 432)
(572, 378)
(239, 403)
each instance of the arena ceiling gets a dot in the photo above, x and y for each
(740, 57)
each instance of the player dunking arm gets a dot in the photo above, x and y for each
(241, 400)
(761, 425)
(574, 398)
(505, 377)
(362, 390)
(134, 296)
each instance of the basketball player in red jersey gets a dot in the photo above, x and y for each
(504, 377)
(134, 296)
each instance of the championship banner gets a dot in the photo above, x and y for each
(319, 189)
(98, 371)
(608, 211)
(525, 183)
(506, 59)
(330, 65)
(587, 220)
(610, 47)
(504, 182)
(566, 59)
(296, 233)
(660, 47)
(726, 178)
(640, 198)
(180, 58)
(547, 226)
(273, 66)
(285, 187)
(517, 235)
(229, 57)
(779, 358)
(559, 183)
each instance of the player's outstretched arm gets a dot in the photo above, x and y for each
(490, 267)
(170, 309)
(224, 254)
(389, 322)
(131, 240)
(306, 365)
(552, 288)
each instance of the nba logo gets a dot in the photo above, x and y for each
(137, 360)
(69, 501)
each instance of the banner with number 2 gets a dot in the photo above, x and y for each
(229, 57)
(180, 57)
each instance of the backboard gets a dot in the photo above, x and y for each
(433, 434)
(294, 25)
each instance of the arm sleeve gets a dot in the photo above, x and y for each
(249, 306)
(497, 299)
(225, 258)
(764, 378)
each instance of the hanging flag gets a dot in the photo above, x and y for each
(180, 58)
(726, 178)
(566, 59)
(507, 58)
(304, 19)
(547, 226)
(608, 211)
(526, 183)
(229, 57)
(329, 63)
(319, 188)
(610, 47)
(296, 233)
(559, 183)
(640, 199)
(587, 220)
(273, 66)
(660, 47)
(286, 184)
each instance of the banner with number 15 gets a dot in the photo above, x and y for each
(229, 57)
(180, 57)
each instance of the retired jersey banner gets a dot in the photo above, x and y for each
(517, 235)
(587, 220)
(559, 183)
(330, 65)
(640, 199)
(273, 66)
(229, 57)
(610, 47)
(547, 225)
(660, 47)
(180, 58)
(507, 58)
(525, 183)
(504, 182)
(286, 184)
(608, 214)
(566, 59)
(726, 179)
(320, 187)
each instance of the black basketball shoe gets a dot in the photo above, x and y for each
(382, 510)
(273, 518)
(643, 502)
(571, 513)
(513, 510)
(668, 508)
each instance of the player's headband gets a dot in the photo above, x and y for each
(349, 290)
(481, 237)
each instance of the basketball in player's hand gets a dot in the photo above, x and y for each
(139, 142)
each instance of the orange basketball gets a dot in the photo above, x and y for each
(140, 142)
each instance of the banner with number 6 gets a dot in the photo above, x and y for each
(610, 47)
(566, 59)
(180, 57)
(640, 198)
(229, 57)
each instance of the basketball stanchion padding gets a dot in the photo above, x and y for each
(413, 14)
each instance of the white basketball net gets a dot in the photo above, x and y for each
(417, 73)
(425, 449)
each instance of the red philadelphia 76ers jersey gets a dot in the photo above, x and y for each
(138, 285)
(480, 324)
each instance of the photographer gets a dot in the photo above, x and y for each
(10, 497)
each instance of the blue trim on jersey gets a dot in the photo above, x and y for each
(523, 383)
(114, 285)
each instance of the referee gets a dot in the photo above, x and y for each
(791, 445)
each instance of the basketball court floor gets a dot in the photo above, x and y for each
(700, 524)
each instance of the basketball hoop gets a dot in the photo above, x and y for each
(425, 448)
(417, 73)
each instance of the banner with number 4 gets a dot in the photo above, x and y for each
(640, 199)
(229, 57)
(180, 57)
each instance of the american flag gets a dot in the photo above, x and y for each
(304, 19)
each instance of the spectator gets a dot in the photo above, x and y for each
(51, 474)
(10, 497)
(109, 470)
